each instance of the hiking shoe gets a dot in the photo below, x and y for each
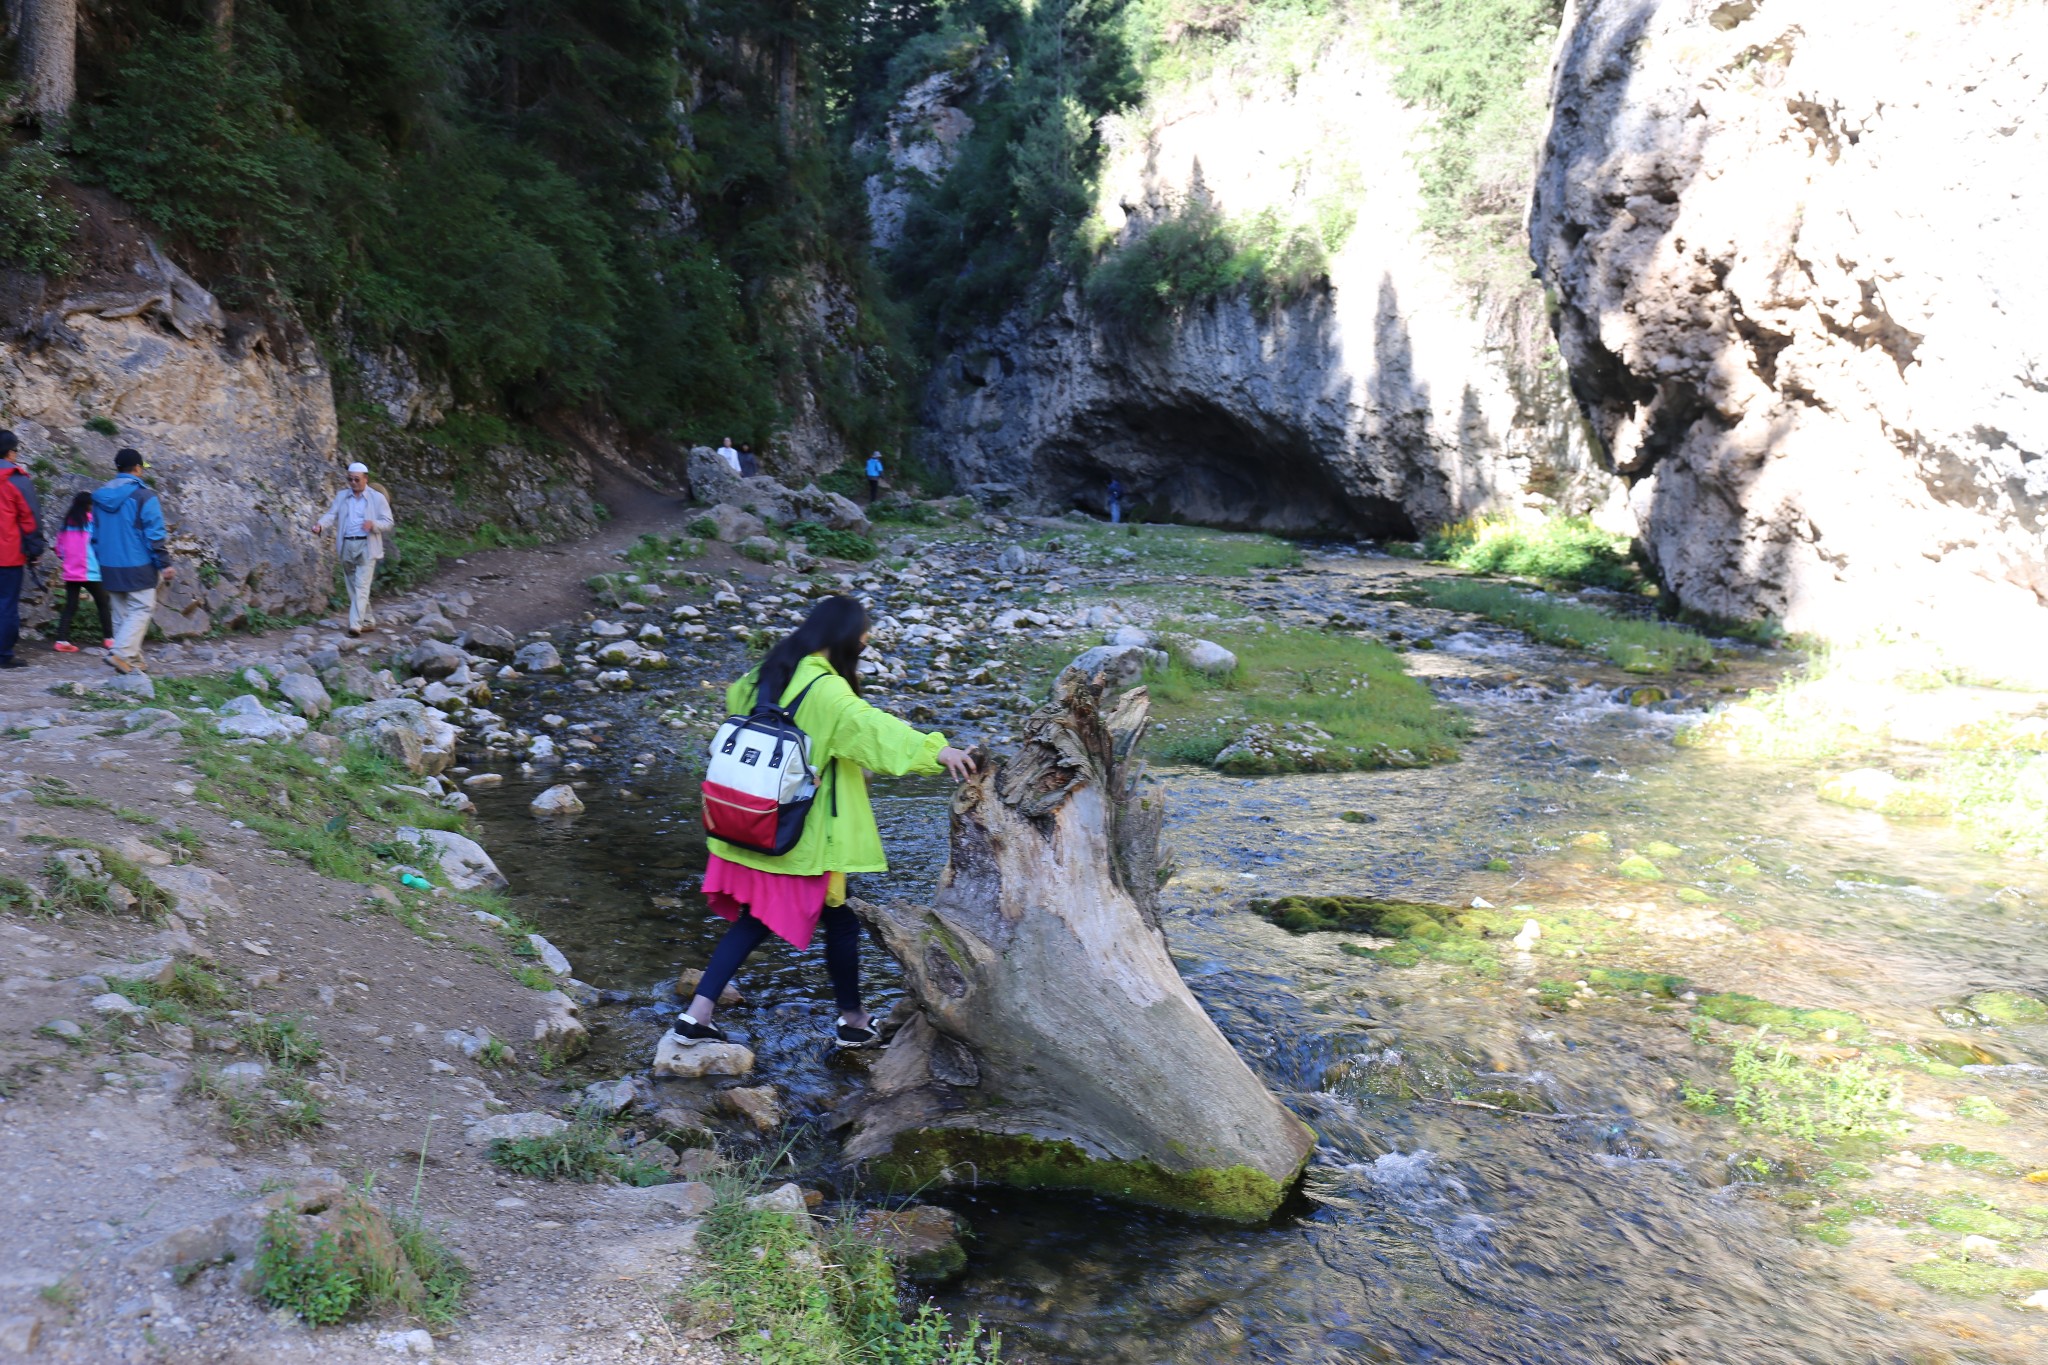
(106, 644)
(119, 664)
(65, 647)
(856, 1035)
(690, 1031)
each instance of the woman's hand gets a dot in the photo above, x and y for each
(957, 762)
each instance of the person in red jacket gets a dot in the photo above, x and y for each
(21, 542)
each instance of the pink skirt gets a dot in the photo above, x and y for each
(788, 905)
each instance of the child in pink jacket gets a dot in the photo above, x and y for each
(81, 570)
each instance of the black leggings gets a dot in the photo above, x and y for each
(70, 609)
(842, 955)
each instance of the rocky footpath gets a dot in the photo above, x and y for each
(1783, 262)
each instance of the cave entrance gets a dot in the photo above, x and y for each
(1195, 462)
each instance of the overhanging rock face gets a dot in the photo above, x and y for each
(1055, 1045)
(1792, 284)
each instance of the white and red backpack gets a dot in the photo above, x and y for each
(759, 783)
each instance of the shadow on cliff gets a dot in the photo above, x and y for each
(1601, 206)
(1241, 453)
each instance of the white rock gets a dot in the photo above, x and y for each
(1525, 940)
(689, 1061)
(558, 800)
(1206, 656)
(112, 1003)
(550, 956)
(509, 1126)
(415, 1342)
(461, 858)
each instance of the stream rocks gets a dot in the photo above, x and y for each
(461, 859)
(559, 802)
(690, 1061)
(1784, 283)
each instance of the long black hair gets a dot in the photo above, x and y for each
(80, 509)
(835, 626)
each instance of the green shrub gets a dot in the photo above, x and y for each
(1197, 255)
(1566, 550)
(37, 226)
(358, 1259)
(834, 544)
(582, 1152)
(1478, 65)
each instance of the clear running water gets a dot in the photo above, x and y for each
(1611, 1224)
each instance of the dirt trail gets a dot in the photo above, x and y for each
(119, 1180)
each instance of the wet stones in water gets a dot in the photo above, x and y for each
(1625, 980)
(1955, 1052)
(922, 1238)
(2009, 1007)
(1637, 868)
(1400, 920)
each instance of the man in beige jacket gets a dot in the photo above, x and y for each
(360, 517)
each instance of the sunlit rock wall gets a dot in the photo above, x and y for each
(1795, 247)
(1390, 401)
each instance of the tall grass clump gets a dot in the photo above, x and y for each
(1638, 646)
(1563, 550)
(784, 1295)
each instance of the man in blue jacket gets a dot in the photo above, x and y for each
(128, 538)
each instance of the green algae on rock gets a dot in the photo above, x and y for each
(934, 1156)
(1750, 1012)
(1637, 868)
(2008, 1007)
(1380, 918)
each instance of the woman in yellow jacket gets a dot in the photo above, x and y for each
(789, 895)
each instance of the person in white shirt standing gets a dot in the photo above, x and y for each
(729, 455)
(360, 516)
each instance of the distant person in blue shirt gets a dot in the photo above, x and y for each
(874, 477)
(1116, 502)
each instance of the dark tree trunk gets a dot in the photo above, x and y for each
(49, 57)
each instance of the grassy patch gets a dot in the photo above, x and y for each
(1189, 550)
(778, 1300)
(1785, 1094)
(299, 804)
(353, 1259)
(1637, 646)
(1562, 550)
(1300, 700)
(582, 1152)
(71, 891)
(282, 1106)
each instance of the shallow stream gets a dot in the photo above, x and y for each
(1499, 1177)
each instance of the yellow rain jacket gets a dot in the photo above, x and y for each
(847, 735)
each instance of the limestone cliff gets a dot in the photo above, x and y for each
(1793, 248)
(1384, 402)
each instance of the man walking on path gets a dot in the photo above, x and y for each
(728, 454)
(360, 516)
(128, 539)
(874, 477)
(21, 543)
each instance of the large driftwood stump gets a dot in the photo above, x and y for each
(1054, 1044)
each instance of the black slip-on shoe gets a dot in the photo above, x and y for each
(690, 1031)
(856, 1035)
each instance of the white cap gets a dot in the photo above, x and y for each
(359, 468)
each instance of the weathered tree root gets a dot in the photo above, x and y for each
(1054, 1043)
